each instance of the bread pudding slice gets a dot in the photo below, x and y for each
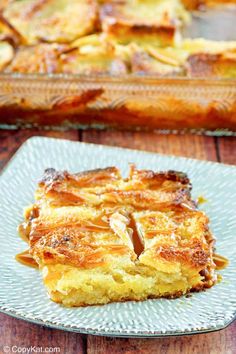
(99, 238)
(193, 58)
(221, 65)
(101, 58)
(40, 58)
(177, 241)
(93, 59)
(52, 20)
(157, 22)
(207, 58)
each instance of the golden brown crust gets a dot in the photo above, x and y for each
(125, 33)
(57, 58)
(85, 256)
(141, 21)
(177, 235)
(150, 28)
(43, 58)
(157, 179)
(143, 188)
(82, 179)
(52, 21)
(143, 227)
(196, 256)
(94, 60)
(212, 65)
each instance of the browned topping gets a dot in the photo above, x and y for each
(196, 256)
(88, 216)
(51, 175)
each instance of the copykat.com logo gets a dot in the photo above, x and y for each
(29, 350)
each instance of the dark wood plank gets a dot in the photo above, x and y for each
(201, 147)
(227, 149)
(21, 334)
(10, 140)
(223, 342)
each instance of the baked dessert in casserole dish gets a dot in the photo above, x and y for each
(115, 63)
(109, 37)
(98, 237)
(193, 58)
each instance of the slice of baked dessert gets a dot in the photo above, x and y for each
(98, 237)
(52, 20)
(158, 22)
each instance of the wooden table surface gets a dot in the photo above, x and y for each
(17, 334)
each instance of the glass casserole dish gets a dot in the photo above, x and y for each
(128, 101)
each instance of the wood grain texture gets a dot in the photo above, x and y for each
(19, 333)
(11, 140)
(201, 147)
(223, 342)
(227, 150)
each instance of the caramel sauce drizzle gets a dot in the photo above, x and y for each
(137, 242)
(24, 231)
(27, 259)
(220, 261)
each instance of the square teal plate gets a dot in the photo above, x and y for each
(22, 293)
